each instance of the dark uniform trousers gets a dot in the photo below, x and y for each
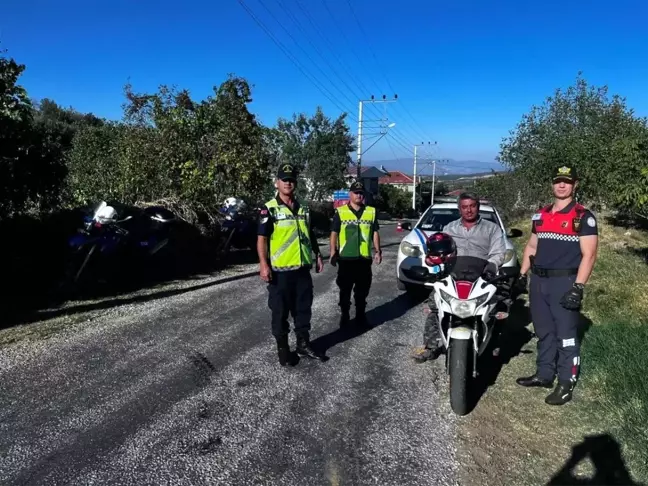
(291, 293)
(556, 328)
(354, 275)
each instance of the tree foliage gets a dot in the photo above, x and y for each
(393, 200)
(585, 128)
(34, 138)
(320, 148)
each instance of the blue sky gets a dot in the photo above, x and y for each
(464, 71)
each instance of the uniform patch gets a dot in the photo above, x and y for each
(563, 224)
(568, 342)
(536, 217)
(264, 220)
(576, 224)
(591, 222)
(281, 216)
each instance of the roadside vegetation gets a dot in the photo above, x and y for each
(512, 437)
(168, 149)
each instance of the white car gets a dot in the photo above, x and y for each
(412, 248)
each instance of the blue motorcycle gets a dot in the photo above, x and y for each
(98, 240)
(238, 227)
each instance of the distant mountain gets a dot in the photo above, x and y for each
(445, 167)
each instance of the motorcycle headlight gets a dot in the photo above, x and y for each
(463, 308)
(410, 250)
(508, 256)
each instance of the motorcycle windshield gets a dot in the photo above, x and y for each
(98, 207)
(468, 268)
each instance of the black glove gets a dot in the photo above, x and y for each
(573, 298)
(523, 282)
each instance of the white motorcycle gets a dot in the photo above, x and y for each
(466, 312)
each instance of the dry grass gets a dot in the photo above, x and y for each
(512, 437)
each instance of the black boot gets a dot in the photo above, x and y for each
(344, 318)
(361, 316)
(561, 394)
(283, 350)
(534, 380)
(304, 348)
(427, 353)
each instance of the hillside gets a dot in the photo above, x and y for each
(447, 167)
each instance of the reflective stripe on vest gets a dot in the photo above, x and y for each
(290, 245)
(356, 234)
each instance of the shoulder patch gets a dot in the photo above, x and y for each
(591, 222)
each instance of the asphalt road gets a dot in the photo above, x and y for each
(187, 390)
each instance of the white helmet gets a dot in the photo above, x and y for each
(230, 202)
(106, 214)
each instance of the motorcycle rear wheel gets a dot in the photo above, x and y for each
(460, 371)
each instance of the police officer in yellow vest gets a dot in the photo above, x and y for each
(285, 245)
(354, 230)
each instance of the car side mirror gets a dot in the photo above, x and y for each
(407, 226)
(514, 233)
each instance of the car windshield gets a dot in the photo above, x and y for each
(436, 219)
(468, 268)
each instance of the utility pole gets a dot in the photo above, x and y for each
(360, 110)
(414, 180)
(433, 177)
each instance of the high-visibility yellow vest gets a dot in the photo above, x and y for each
(290, 245)
(356, 234)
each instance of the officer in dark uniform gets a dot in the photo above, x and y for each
(560, 254)
(353, 231)
(285, 245)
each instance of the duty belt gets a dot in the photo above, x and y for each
(553, 272)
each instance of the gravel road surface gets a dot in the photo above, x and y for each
(186, 389)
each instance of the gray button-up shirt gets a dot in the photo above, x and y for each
(484, 240)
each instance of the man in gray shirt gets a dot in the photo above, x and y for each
(474, 236)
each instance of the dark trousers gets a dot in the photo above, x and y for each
(354, 275)
(291, 293)
(431, 331)
(556, 328)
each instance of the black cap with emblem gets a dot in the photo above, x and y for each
(357, 186)
(565, 173)
(287, 172)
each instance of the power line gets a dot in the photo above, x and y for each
(378, 64)
(295, 61)
(300, 47)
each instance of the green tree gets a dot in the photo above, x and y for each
(320, 148)
(393, 200)
(32, 165)
(171, 146)
(587, 129)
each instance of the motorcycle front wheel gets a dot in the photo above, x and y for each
(460, 371)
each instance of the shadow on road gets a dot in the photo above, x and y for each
(514, 335)
(376, 317)
(605, 454)
(115, 302)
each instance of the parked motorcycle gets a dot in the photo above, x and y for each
(100, 235)
(109, 244)
(465, 311)
(238, 228)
